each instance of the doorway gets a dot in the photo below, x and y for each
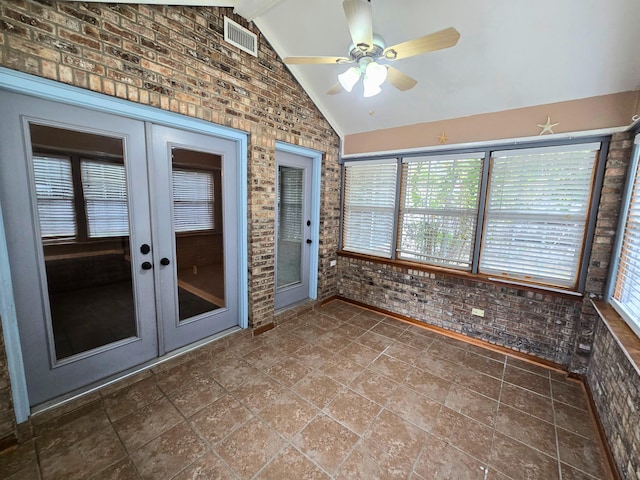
(118, 233)
(296, 229)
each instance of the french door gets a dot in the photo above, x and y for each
(293, 228)
(117, 234)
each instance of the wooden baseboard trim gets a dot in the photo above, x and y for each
(263, 328)
(463, 338)
(330, 299)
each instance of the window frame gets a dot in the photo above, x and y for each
(632, 172)
(489, 149)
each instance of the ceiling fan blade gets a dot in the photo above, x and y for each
(316, 60)
(400, 80)
(359, 20)
(434, 41)
(337, 88)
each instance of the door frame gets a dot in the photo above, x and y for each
(45, 89)
(316, 176)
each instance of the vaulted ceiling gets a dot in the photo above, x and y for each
(511, 54)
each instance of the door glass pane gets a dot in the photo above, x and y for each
(197, 223)
(290, 204)
(81, 195)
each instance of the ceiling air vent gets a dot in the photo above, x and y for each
(240, 37)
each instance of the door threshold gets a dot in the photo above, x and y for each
(69, 397)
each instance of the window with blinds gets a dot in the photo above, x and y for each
(192, 200)
(626, 292)
(536, 213)
(439, 209)
(104, 187)
(369, 207)
(290, 203)
(54, 196)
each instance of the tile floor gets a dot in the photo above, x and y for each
(339, 393)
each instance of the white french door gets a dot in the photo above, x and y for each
(118, 234)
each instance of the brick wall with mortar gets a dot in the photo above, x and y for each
(615, 385)
(552, 327)
(175, 58)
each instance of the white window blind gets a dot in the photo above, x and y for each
(439, 209)
(290, 200)
(54, 195)
(192, 200)
(536, 213)
(626, 294)
(369, 207)
(105, 195)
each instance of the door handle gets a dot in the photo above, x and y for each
(146, 265)
(309, 240)
(164, 261)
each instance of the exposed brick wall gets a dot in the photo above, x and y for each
(552, 327)
(615, 385)
(175, 58)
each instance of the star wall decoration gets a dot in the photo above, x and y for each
(442, 138)
(547, 127)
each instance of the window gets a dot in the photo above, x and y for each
(536, 213)
(105, 198)
(192, 200)
(369, 207)
(54, 196)
(518, 215)
(626, 281)
(439, 209)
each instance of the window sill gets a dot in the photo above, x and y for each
(485, 278)
(626, 338)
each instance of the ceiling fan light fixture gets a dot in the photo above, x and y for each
(349, 78)
(371, 88)
(376, 73)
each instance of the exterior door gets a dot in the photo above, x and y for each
(293, 228)
(118, 236)
(197, 249)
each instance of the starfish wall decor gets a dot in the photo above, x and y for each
(547, 127)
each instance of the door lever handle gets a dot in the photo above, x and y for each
(146, 265)
(309, 240)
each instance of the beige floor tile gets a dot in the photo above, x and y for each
(333, 340)
(580, 453)
(393, 331)
(263, 357)
(527, 429)
(434, 387)
(317, 388)
(462, 432)
(416, 340)
(341, 369)
(374, 341)
(367, 462)
(413, 407)
(249, 448)
(435, 365)
(519, 461)
(83, 458)
(169, 453)
(442, 461)
(575, 420)
(289, 414)
(289, 371)
(397, 437)
(570, 473)
(309, 332)
(353, 410)
(312, 355)
(18, 458)
(30, 472)
(258, 392)
(147, 423)
(233, 372)
(533, 403)
(326, 442)
(570, 393)
(484, 365)
(291, 464)
(479, 382)
(122, 470)
(178, 376)
(360, 354)
(195, 396)
(403, 352)
(529, 366)
(472, 404)
(207, 467)
(373, 386)
(127, 400)
(364, 322)
(447, 351)
(220, 419)
(528, 380)
(390, 367)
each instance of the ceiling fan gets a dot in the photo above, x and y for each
(372, 57)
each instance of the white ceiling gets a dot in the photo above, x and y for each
(511, 54)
